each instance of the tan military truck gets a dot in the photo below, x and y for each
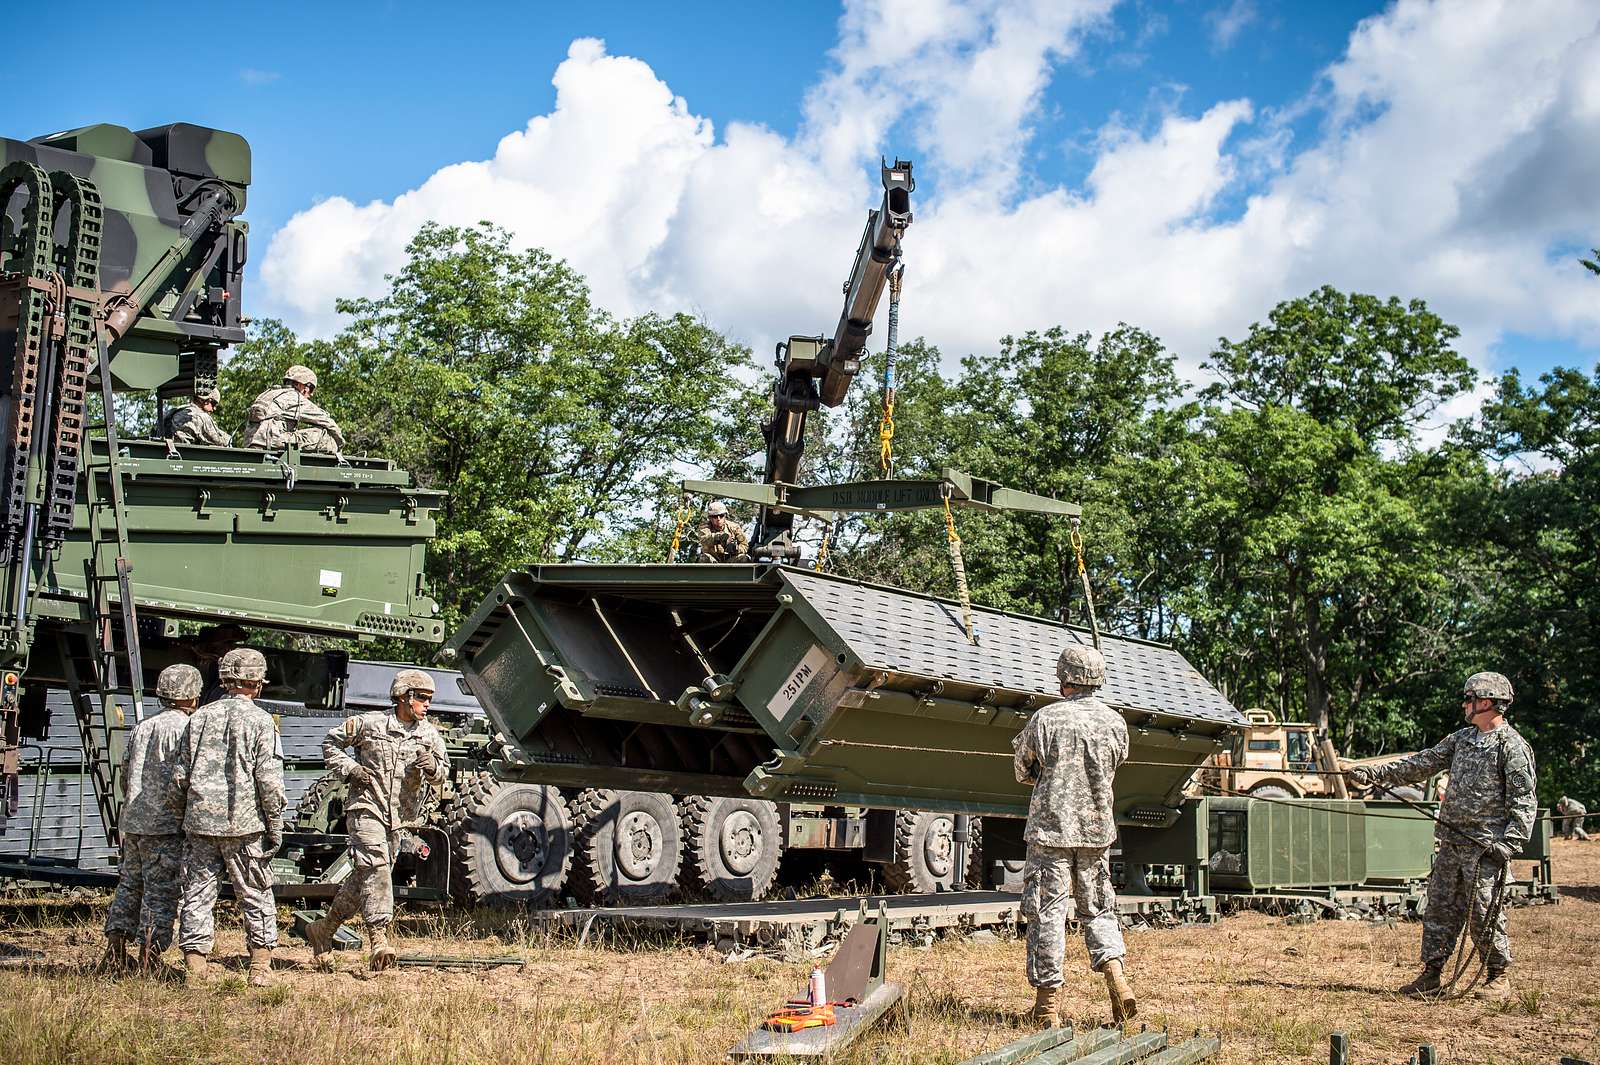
(1275, 759)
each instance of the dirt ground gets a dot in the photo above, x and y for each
(1273, 991)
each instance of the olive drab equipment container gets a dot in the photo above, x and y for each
(122, 260)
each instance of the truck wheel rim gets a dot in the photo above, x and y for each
(741, 842)
(938, 846)
(639, 846)
(520, 847)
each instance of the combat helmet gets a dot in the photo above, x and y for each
(1081, 665)
(242, 664)
(1488, 686)
(208, 394)
(719, 509)
(178, 682)
(410, 680)
(300, 375)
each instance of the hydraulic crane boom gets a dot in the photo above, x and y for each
(816, 370)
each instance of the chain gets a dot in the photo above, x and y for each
(960, 568)
(822, 549)
(1076, 537)
(677, 534)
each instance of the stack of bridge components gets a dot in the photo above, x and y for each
(1102, 1046)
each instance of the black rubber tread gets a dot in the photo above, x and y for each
(314, 800)
(908, 874)
(703, 871)
(594, 880)
(1403, 791)
(473, 824)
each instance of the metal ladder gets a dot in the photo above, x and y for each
(107, 662)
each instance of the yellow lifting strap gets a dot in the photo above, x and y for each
(1083, 578)
(886, 424)
(822, 551)
(961, 570)
(677, 534)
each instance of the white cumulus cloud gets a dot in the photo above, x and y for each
(1455, 160)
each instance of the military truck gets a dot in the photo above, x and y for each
(122, 260)
(1272, 759)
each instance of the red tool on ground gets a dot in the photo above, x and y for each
(797, 1018)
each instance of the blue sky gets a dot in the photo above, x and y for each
(1255, 147)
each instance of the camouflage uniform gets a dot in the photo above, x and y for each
(230, 777)
(730, 544)
(1571, 813)
(1070, 751)
(192, 425)
(1491, 800)
(282, 416)
(145, 906)
(387, 748)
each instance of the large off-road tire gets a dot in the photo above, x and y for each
(1401, 791)
(629, 847)
(321, 807)
(731, 846)
(1270, 791)
(512, 843)
(925, 853)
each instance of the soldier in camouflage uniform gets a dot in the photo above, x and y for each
(720, 539)
(285, 415)
(396, 755)
(145, 907)
(1486, 817)
(229, 783)
(1571, 813)
(194, 423)
(1069, 751)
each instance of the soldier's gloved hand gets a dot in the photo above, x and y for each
(360, 777)
(426, 761)
(1500, 852)
(1360, 776)
(272, 839)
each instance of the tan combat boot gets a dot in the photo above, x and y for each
(383, 955)
(1497, 988)
(1123, 1005)
(1046, 1002)
(116, 957)
(260, 967)
(1426, 983)
(196, 970)
(319, 934)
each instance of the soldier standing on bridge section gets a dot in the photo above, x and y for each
(395, 755)
(720, 539)
(194, 424)
(1069, 751)
(285, 415)
(229, 783)
(1485, 818)
(145, 907)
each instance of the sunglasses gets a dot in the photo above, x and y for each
(422, 697)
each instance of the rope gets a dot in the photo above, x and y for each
(886, 424)
(677, 534)
(1083, 578)
(961, 570)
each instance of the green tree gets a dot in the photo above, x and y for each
(489, 374)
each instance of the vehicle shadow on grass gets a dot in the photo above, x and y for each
(1581, 892)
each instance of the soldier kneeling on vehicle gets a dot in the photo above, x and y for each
(720, 539)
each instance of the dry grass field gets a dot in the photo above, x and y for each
(1274, 991)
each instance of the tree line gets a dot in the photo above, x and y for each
(1307, 527)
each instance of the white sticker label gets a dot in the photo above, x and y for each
(331, 578)
(782, 705)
